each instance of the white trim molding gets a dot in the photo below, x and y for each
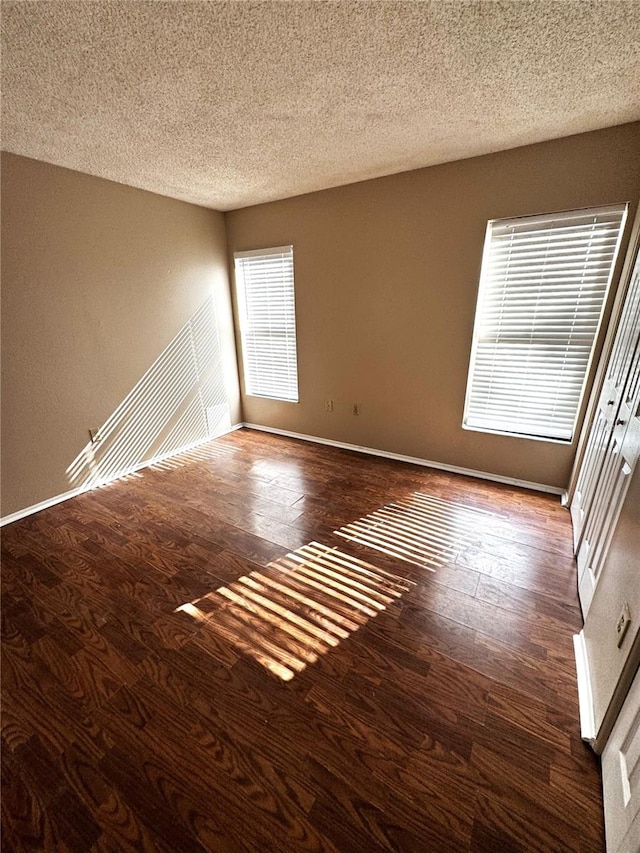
(414, 460)
(585, 694)
(65, 496)
(31, 510)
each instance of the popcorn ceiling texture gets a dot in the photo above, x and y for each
(228, 104)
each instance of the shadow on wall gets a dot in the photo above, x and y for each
(179, 402)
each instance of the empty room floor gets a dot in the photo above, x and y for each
(270, 645)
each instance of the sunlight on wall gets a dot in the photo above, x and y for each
(422, 529)
(299, 607)
(179, 401)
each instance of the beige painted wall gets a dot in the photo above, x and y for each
(386, 275)
(619, 582)
(97, 279)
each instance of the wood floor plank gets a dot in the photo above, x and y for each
(195, 660)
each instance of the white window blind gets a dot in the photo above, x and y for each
(542, 291)
(266, 303)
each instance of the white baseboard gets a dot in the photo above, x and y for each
(31, 510)
(414, 460)
(65, 496)
(585, 695)
(370, 451)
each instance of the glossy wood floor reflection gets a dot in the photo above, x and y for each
(194, 659)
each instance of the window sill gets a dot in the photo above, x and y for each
(567, 442)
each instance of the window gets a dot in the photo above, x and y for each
(542, 291)
(266, 304)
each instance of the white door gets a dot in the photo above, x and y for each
(612, 450)
(608, 405)
(621, 777)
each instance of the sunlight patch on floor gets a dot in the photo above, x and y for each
(299, 607)
(202, 453)
(422, 529)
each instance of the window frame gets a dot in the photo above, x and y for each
(483, 288)
(250, 389)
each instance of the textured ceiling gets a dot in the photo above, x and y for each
(227, 104)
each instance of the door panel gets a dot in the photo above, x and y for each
(621, 777)
(616, 386)
(612, 450)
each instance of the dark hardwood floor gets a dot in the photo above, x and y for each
(268, 645)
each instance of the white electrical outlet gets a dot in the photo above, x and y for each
(356, 409)
(328, 405)
(622, 625)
